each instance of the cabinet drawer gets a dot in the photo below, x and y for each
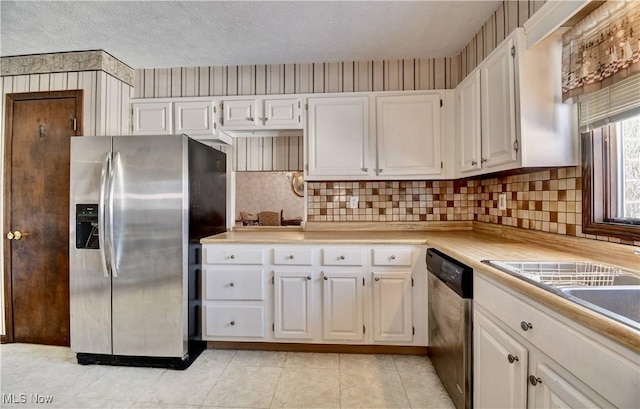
(341, 257)
(292, 256)
(392, 257)
(232, 255)
(234, 321)
(234, 285)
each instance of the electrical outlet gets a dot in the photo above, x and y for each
(353, 202)
(502, 201)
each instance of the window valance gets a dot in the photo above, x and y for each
(602, 49)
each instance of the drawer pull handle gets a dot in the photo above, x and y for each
(512, 358)
(392, 257)
(290, 257)
(308, 277)
(232, 323)
(341, 257)
(230, 284)
(534, 381)
(526, 326)
(377, 278)
(232, 257)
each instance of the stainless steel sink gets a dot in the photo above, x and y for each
(603, 288)
(621, 300)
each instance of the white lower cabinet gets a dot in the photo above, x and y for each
(343, 306)
(293, 304)
(526, 355)
(392, 306)
(325, 294)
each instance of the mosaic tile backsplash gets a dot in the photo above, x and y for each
(547, 200)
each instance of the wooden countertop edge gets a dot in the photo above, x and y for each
(606, 327)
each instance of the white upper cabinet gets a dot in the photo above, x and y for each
(408, 129)
(376, 136)
(258, 113)
(338, 137)
(152, 118)
(509, 114)
(196, 117)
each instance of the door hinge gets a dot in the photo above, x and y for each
(215, 125)
(298, 104)
(441, 165)
(413, 330)
(516, 145)
(298, 118)
(306, 167)
(273, 280)
(411, 282)
(363, 281)
(74, 124)
(513, 50)
(364, 329)
(214, 109)
(273, 327)
(441, 103)
(306, 107)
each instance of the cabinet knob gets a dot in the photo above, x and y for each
(341, 257)
(393, 257)
(526, 326)
(483, 160)
(534, 381)
(377, 278)
(512, 358)
(232, 257)
(290, 257)
(325, 278)
(365, 169)
(251, 118)
(230, 284)
(380, 170)
(308, 277)
(232, 323)
(474, 163)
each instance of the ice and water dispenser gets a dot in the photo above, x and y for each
(87, 226)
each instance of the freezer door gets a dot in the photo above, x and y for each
(150, 242)
(89, 289)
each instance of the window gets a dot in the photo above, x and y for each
(611, 178)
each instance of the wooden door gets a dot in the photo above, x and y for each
(39, 127)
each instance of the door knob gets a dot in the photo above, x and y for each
(16, 235)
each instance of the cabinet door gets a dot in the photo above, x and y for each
(342, 305)
(392, 315)
(499, 366)
(282, 112)
(552, 390)
(293, 305)
(152, 118)
(468, 124)
(408, 129)
(240, 112)
(498, 107)
(338, 132)
(194, 117)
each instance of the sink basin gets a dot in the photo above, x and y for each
(605, 289)
(621, 300)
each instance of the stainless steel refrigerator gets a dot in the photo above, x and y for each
(139, 207)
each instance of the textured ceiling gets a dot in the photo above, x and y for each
(146, 34)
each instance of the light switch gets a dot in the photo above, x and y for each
(353, 202)
(502, 201)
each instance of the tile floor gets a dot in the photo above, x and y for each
(220, 378)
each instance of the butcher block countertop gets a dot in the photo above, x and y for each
(471, 243)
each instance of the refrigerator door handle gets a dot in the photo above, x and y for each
(114, 167)
(104, 179)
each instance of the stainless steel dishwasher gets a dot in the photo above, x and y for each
(450, 325)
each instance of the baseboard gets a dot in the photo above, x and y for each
(337, 348)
